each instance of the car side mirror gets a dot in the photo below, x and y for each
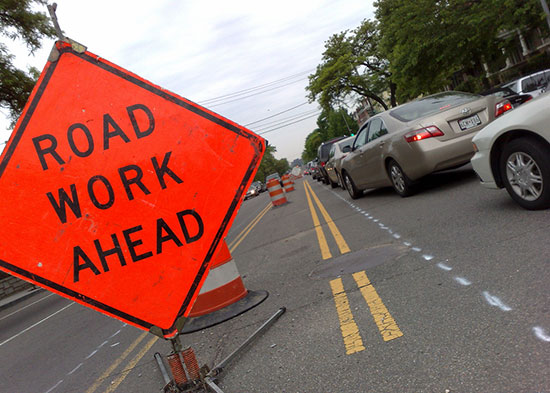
(346, 149)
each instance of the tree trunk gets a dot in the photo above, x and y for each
(393, 88)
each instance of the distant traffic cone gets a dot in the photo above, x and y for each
(223, 294)
(287, 183)
(276, 192)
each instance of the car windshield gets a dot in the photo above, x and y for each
(432, 104)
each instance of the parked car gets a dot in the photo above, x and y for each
(513, 152)
(401, 145)
(334, 163)
(253, 191)
(505, 92)
(314, 169)
(323, 155)
(259, 186)
(533, 84)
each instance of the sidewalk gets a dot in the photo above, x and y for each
(18, 297)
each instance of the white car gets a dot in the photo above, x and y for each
(533, 84)
(514, 152)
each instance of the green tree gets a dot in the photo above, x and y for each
(330, 124)
(270, 164)
(427, 41)
(352, 64)
(19, 21)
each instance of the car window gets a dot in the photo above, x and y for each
(431, 105)
(332, 151)
(361, 138)
(377, 129)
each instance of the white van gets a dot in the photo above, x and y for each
(533, 84)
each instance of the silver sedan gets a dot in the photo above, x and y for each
(401, 145)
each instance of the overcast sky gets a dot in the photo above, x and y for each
(202, 50)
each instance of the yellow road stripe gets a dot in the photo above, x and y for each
(342, 245)
(251, 226)
(323, 245)
(116, 363)
(131, 365)
(385, 322)
(350, 331)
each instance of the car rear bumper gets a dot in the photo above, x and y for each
(432, 155)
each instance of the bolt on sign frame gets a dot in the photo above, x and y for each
(116, 192)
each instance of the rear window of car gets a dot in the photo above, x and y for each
(430, 105)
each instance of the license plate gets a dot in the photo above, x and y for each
(469, 122)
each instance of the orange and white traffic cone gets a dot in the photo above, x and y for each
(222, 295)
(276, 192)
(287, 183)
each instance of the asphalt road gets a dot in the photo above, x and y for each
(445, 291)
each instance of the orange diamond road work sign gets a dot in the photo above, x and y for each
(116, 193)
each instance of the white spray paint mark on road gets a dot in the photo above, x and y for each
(74, 369)
(114, 345)
(428, 257)
(441, 265)
(56, 385)
(92, 354)
(397, 235)
(463, 281)
(417, 249)
(495, 301)
(541, 334)
(408, 244)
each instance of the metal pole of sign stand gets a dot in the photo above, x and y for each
(217, 370)
(206, 378)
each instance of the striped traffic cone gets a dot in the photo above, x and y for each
(287, 183)
(276, 192)
(222, 295)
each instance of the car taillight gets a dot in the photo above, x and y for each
(501, 107)
(322, 164)
(423, 133)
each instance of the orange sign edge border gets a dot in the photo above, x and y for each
(257, 142)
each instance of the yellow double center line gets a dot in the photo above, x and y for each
(325, 250)
(350, 331)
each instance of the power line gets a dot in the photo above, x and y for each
(276, 114)
(230, 95)
(255, 94)
(284, 125)
(274, 123)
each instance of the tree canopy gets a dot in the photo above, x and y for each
(19, 21)
(427, 41)
(352, 64)
(330, 124)
(270, 164)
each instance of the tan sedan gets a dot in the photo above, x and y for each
(403, 144)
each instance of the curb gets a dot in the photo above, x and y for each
(7, 302)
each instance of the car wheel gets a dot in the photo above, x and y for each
(353, 191)
(525, 170)
(400, 182)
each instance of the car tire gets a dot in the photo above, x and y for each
(353, 191)
(525, 171)
(400, 182)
